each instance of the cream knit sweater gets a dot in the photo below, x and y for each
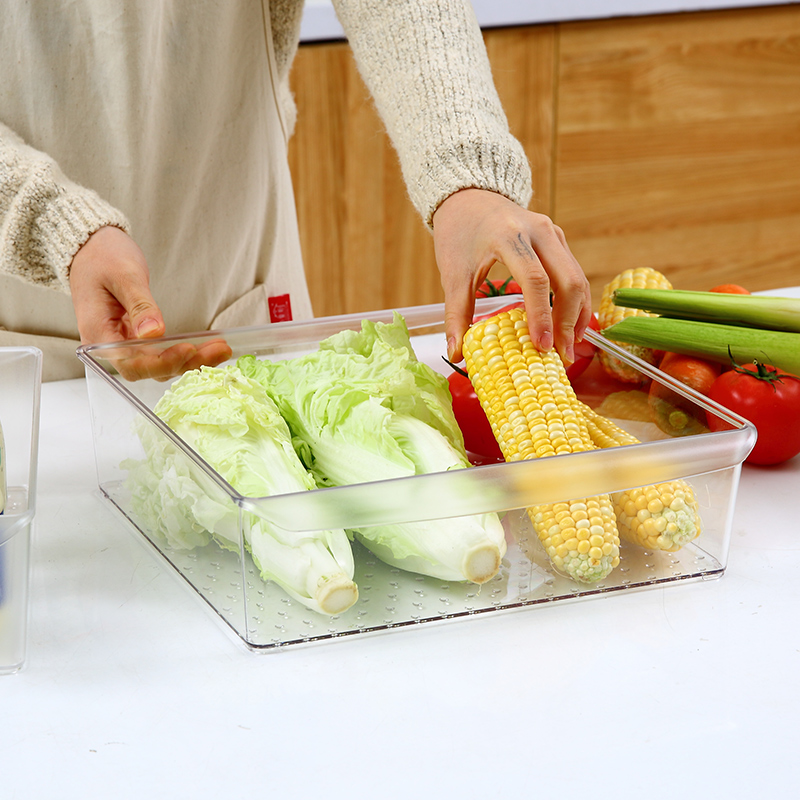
(423, 61)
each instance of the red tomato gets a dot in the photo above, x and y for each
(495, 288)
(673, 413)
(699, 373)
(770, 400)
(478, 436)
(729, 288)
(584, 353)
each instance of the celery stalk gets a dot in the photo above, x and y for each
(711, 340)
(757, 311)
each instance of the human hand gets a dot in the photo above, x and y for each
(472, 230)
(110, 285)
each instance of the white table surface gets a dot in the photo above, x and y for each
(132, 690)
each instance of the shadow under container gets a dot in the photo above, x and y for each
(20, 389)
(264, 618)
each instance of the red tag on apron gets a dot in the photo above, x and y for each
(280, 308)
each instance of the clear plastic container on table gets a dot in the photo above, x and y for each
(20, 385)
(263, 617)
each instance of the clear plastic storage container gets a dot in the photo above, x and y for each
(20, 383)
(264, 617)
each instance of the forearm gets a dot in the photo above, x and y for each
(44, 217)
(426, 66)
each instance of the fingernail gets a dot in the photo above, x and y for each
(451, 348)
(146, 327)
(546, 340)
(569, 355)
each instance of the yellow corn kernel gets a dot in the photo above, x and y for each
(533, 412)
(602, 431)
(609, 314)
(664, 516)
(633, 404)
(525, 394)
(640, 278)
(658, 525)
(583, 559)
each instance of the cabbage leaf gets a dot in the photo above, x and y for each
(363, 408)
(230, 421)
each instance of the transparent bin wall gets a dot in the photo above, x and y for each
(264, 617)
(20, 381)
(215, 572)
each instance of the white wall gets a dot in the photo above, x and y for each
(320, 23)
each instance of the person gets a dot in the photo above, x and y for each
(145, 188)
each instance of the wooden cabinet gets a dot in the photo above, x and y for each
(678, 146)
(671, 141)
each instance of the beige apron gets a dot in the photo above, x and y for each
(207, 186)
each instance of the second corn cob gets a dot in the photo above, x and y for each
(663, 516)
(609, 314)
(532, 408)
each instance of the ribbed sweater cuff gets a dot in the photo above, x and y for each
(65, 224)
(471, 165)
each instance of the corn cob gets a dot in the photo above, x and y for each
(663, 516)
(531, 406)
(602, 431)
(633, 404)
(609, 314)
